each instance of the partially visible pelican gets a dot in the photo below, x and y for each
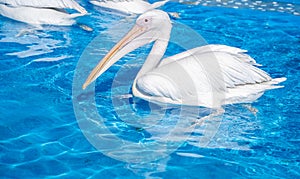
(209, 76)
(128, 6)
(39, 12)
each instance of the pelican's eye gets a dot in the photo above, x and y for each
(144, 21)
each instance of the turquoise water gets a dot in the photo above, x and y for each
(39, 132)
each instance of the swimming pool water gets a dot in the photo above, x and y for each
(40, 136)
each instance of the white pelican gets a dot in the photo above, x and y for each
(39, 12)
(209, 76)
(128, 6)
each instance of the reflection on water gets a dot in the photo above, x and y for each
(34, 42)
(145, 138)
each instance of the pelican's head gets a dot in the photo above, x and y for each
(154, 21)
(150, 26)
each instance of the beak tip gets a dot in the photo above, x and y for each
(84, 86)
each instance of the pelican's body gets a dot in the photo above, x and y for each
(209, 76)
(128, 6)
(39, 12)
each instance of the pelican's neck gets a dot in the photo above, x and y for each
(157, 52)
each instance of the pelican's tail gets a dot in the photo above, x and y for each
(75, 15)
(272, 83)
(250, 93)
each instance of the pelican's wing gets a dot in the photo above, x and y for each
(237, 67)
(59, 4)
(205, 76)
(211, 48)
(128, 6)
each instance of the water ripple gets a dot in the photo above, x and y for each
(249, 4)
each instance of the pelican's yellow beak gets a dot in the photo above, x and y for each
(109, 59)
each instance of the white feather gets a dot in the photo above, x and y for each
(208, 76)
(59, 4)
(38, 12)
(128, 6)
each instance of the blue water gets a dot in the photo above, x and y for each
(40, 136)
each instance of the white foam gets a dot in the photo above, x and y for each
(257, 5)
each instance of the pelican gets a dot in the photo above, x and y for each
(39, 12)
(208, 76)
(128, 6)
